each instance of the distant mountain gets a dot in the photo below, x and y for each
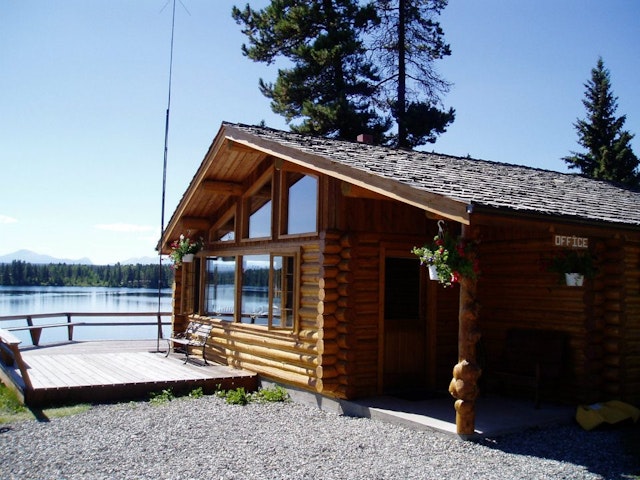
(33, 257)
(141, 261)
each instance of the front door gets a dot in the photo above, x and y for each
(404, 340)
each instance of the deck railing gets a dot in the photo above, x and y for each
(35, 329)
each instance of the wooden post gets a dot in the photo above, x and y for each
(464, 385)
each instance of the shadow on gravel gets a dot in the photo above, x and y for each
(613, 452)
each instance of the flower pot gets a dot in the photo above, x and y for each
(574, 279)
(433, 272)
(188, 258)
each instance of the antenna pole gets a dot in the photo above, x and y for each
(164, 179)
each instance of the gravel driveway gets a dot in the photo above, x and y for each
(207, 439)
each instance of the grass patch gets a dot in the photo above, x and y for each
(11, 410)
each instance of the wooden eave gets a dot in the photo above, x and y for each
(219, 177)
(438, 205)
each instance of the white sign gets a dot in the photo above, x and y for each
(570, 241)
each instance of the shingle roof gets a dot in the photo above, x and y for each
(476, 182)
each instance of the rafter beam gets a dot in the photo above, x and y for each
(224, 188)
(354, 191)
(195, 223)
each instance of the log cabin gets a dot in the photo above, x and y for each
(308, 277)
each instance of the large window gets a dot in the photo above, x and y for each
(255, 289)
(259, 210)
(302, 203)
(282, 304)
(220, 287)
(267, 290)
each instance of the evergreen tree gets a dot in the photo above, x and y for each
(609, 155)
(330, 83)
(405, 45)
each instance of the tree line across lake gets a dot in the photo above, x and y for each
(20, 273)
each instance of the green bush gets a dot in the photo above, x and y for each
(271, 394)
(236, 397)
(160, 398)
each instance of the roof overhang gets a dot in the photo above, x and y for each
(439, 205)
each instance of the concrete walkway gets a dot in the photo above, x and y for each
(495, 415)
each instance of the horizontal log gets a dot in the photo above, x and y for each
(258, 361)
(332, 249)
(328, 295)
(328, 283)
(330, 272)
(331, 260)
(303, 381)
(327, 348)
(324, 372)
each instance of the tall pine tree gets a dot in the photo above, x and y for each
(330, 84)
(405, 44)
(609, 155)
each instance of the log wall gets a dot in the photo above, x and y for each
(602, 318)
(297, 358)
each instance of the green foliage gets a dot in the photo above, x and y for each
(239, 396)
(270, 394)
(11, 410)
(453, 258)
(331, 81)
(609, 155)
(353, 66)
(19, 273)
(405, 43)
(184, 246)
(196, 393)
(9, 403)
(234, 397)
(573, 261)
(160, 398)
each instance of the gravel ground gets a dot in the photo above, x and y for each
(207, 439)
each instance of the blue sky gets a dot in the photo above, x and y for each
(83, 95)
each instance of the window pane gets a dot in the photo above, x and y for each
(283, 283)
(220, 287)
(255, 289)
(226, 233)
(303, 203)
(260, 212)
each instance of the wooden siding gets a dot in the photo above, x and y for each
(288, 356)
(601, 318)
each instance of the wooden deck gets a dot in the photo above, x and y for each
(114, 370)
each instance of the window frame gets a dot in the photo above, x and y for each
(283, 230)
(246, 213)
(239, 255)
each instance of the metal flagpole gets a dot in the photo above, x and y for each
(164, 180)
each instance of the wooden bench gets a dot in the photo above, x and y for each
(195, 335)
(533, 359)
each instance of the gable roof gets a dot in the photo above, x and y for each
(446, 185)
(464, 180)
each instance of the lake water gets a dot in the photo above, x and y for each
(32, 300)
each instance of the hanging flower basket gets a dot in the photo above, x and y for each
(448, 258)
(574, 279)
(183, 250)
(573, 266)
(433, 272)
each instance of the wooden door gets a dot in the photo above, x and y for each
(404, 339)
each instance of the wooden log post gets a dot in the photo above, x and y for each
(464, 385)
